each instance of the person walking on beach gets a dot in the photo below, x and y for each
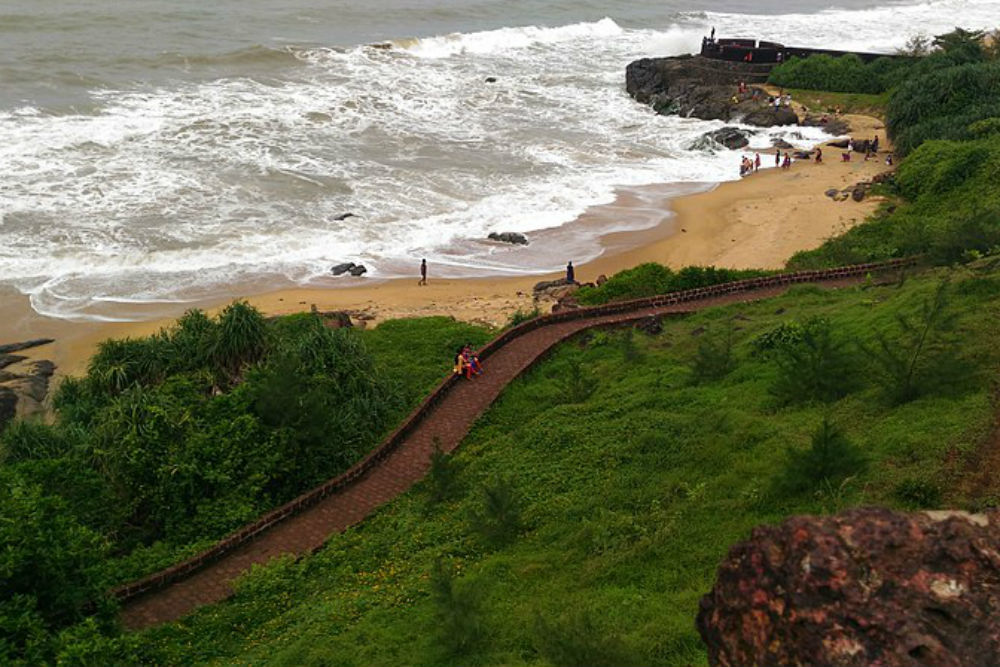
(756, 162)
(423, 272)
(777, 158)
(819, 155)
(570, 273)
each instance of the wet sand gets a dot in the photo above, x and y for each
(757, 222)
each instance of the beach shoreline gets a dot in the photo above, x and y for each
(756, 222)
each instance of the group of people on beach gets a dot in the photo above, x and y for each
(748, 166)
(467, 362)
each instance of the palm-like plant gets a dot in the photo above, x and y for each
(241, 339)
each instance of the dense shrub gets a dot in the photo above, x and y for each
(845, 74)
(651, 279)
(943, 104)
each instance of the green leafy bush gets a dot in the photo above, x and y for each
(844, 74)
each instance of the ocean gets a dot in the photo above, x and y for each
(166, 150)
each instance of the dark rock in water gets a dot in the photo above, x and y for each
(509, 237)
(866, 586)
(702, 88)
(840, 143)
(651, 325)
(345, 216)
(778, 142)
(357, 270)
(338, 269)
(491, 79)
(730, 137)
(14, 347)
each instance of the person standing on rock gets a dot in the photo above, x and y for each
(570, 273)
(423, 272)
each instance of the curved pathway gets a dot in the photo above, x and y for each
(305, 524)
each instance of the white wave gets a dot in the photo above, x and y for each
(506, 39)
(165, 194)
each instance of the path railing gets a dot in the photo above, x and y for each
(233, 541)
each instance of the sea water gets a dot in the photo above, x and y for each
(167, 150)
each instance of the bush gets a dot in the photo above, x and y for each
(651, 279)
(521, 316)
(918, 493)
(817, 366)
(442, 478)
(830, 459)
(573, 640)
(844, 74)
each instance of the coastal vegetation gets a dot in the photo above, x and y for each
(171, 441)
(585, 514)
(582, 528)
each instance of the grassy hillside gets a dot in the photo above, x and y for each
(585, 514)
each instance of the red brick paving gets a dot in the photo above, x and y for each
(449, 421)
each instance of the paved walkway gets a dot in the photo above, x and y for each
(449, 422)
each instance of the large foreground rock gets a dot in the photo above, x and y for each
(864, 587)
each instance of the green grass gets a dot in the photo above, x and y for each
(628, 499)
(857, 103)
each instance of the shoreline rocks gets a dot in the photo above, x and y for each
(705, 89)
(514, 238)
(24, 384)
(348, 267)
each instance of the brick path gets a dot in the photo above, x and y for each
(449, 421)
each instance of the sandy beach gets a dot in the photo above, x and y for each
(758, 221)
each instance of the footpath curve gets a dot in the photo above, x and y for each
(304, 524)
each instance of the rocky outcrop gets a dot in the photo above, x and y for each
(513, 238)
(703, 88)
(24, 385)
(864, 587)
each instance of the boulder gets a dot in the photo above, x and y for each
(862, 145)
(491, 79)
(730, 137)
(778, 142)
(601, 279)
(802, 155)
(8, 359)
(840, 143)
(344, 216)
(338, 269)
(832, 193)
(768, 116)
(868, 586)
(859, 192)
(357, 270)
(335, 319)
(509, 237)
(549, 284)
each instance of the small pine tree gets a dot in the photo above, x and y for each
(830, 459)
(714, 359)
(576, 385)
(908, 363)
(457, 609)
(442, 478)
(498, 520)
(817, 367)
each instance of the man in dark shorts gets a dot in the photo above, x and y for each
(423, 272)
